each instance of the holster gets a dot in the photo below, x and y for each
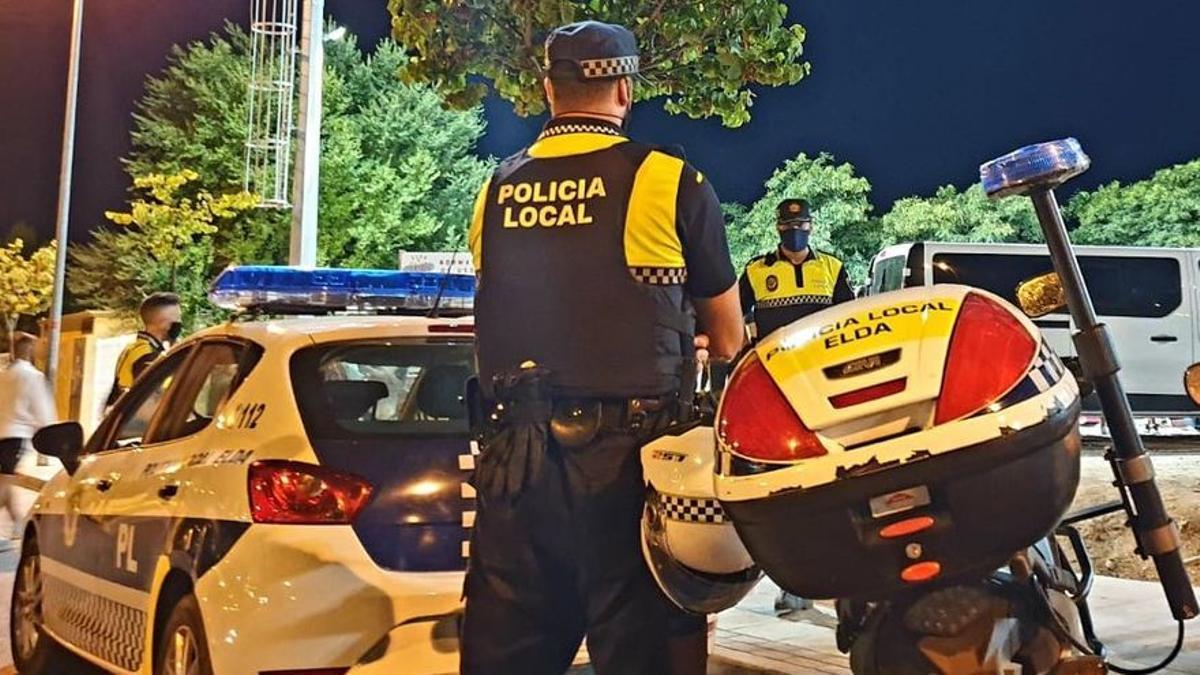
(514, 435)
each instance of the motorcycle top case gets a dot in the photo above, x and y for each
(914, 437)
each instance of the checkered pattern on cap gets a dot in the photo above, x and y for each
(104, 627)
(692, 509)
(617, 66)
(660, 276)
(795, 300)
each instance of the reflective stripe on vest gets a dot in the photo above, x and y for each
(778, 297)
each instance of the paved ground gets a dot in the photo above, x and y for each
(1131, 617)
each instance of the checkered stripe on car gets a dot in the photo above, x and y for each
(614, 67)
(1047, 369)
(692, 509)
(660, 276)
(794, 300)
(100, 626)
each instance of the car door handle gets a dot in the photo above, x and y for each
(1164, 338)
(104, 484)
(168, 491)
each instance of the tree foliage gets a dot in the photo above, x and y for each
(166, 243)
(1163, 210)
(397, 169)
(703, 56)
(26, 282)
(969, 216)
(841, 211)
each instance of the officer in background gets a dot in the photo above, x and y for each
(591, 252)
(795, 279)
(161, 324)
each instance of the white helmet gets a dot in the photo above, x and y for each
(690, 546)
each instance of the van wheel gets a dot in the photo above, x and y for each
(33, 651)
(184, 647)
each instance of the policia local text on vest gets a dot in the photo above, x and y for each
(590, 250)
(794, 280)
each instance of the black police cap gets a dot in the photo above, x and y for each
(793, 211)
(594, 49)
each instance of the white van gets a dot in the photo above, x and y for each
(1148, 297)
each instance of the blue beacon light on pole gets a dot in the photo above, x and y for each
(1035, 171)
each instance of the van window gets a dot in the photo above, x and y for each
(888, 275)
(1119, 286)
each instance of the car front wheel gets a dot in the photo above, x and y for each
(184, 648)
(33, 651)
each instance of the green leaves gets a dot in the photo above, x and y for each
(1163, 210)
(842, 223)
(951, 215)
(398, 171)
(703, 56)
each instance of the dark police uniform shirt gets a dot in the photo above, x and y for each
(777, 292)
(571, 234)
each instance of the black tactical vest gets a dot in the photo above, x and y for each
(556, 289)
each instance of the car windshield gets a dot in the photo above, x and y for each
(395, 388)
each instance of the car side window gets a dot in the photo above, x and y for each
(144, 400)
(207, 382)
(888, 275)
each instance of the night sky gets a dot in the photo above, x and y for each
(914, 94)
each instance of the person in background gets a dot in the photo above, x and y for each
(161, 325)
(794, 280)
(25, 407)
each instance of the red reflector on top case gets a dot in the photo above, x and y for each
(921, 572)
(906, 527)
(871, 393)
(757, 421)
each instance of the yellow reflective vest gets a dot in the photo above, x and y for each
(776, 292)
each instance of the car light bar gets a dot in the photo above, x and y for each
(1043, 166)
(295, 290)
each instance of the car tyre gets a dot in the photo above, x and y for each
(183, 648)
(33, 651)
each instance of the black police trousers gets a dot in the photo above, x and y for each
(565, 561)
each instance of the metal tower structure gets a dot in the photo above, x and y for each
(271, 93)
(274, 25)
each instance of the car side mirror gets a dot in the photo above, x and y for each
(1191, 382)
(1041, 295)
(63, 440)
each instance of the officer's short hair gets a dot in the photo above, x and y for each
(570, 90)
(156, 301)
(24, 345)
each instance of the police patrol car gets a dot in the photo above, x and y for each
(280, 496)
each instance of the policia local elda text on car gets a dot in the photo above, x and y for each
(795, 279)
(591, 252)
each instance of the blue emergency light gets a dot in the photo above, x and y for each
(1043, 166)
(308, 290)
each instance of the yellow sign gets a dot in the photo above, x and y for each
(553, 203)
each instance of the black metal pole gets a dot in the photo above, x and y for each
(1157, 535)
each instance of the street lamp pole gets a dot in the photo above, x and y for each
(305, 186)
(64, 193)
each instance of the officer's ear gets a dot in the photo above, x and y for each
(624, 92)
(548, 87)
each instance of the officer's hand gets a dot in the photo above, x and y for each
(701, 343)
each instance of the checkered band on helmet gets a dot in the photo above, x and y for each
(614, 67)
(692, 509)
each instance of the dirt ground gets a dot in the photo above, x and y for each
(1111, 544)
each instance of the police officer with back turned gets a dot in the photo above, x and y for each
(600, 260)
(795, 279)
